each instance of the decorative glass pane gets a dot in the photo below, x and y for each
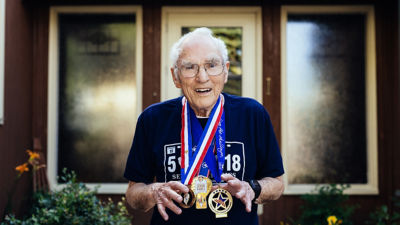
(97, 98)
(326, 99)
(232, 36)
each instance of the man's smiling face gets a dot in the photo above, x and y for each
(202, 90)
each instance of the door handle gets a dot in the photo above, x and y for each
(268, 86)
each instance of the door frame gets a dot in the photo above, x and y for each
(53, 76)
(173, 18)
(371, 187)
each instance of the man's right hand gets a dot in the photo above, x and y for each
(164, 193)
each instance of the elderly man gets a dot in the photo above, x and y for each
(206, 157)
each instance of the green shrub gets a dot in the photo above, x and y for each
(325, 201)
(382, 215)
(74, 204)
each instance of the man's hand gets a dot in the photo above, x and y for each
(239, 189)
(164, 193)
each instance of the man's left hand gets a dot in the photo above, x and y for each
(239, 189)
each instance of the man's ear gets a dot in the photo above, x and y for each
(177, 82)
(227, 71)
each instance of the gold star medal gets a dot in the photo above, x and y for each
(220, 202)
(201, 186)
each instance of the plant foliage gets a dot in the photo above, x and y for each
(74, 204)
(382, 215)
(323, 202)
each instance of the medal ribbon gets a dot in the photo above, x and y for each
(217, 146)
(191, 161)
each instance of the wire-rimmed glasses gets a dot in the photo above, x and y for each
(191, 70)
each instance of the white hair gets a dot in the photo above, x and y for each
(176, 49)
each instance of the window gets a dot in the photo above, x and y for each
(329, 122)
(2, 53)
(239, 28)
(94, 92)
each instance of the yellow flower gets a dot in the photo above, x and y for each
(32, 155)
(22, 168)
(331, 220)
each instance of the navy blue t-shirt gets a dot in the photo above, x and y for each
(251, 152)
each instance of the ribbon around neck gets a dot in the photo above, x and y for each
(200, 158)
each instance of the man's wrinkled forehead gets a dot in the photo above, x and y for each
(212, 58)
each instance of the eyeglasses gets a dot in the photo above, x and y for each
(191, 70)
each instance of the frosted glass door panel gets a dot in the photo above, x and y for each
(326, 99)
(97, 99)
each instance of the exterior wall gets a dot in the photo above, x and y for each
(388, 99)
(26, 93)
(397, 111)
(16, 133)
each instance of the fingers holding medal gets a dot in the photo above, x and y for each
(219, 200)
(240, 189)
(188, 199)
(165, 194)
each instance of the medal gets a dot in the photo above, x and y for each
(201, 186)
(198, 146)
(220, 202)
(187, 199)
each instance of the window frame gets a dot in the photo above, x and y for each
(2, 56)
(53, 78)
(174, 17)
(371, 187)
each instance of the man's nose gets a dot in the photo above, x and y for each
(202, 76)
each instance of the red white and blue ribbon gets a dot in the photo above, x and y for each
(193, 158)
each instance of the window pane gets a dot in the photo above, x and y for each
(326, 99)
(232, 36)
(97, 98)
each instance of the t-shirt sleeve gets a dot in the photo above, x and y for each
(269, 158)
(139, 167)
